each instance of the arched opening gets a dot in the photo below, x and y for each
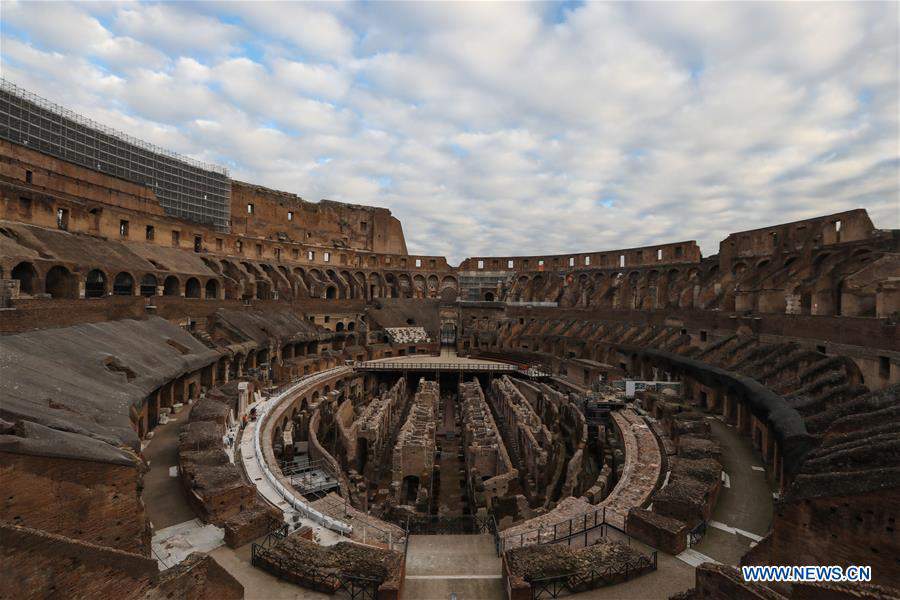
(95, 284)
(148, 285)
(212, 289)
(339, 327)
(123, 284)
(351, 325)
(26, 274)
(263, 290)
(489, 296)
(61, 283)
(362, 454)
(410, 489)
(331, 293)
(171, 286)
(192, 288)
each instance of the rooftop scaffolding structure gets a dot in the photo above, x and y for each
(186, 188)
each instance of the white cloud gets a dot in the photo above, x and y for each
(504, 128)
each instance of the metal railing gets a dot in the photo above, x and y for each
(296, 502)
(433, 366)
(555, 586)
(312, 577)
(560, 531)
(447, 525)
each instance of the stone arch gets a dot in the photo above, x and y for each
(419, 285)
(61, 283)
(375, 285)
(171, 286)
(263, 289)
(212, 288)
(123, 284)
(192, 288)
(235, 281)
(390, 285)
(95, 284)
(27, 277)
(148, 286)
(352, 291)
(432, 283)
(404, 283)
(819, 261)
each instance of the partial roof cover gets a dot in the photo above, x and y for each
(87, 378)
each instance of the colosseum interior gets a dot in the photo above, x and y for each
(213, 390)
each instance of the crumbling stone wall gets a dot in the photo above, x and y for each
(310, 565)
(213, 485)
(413, 458)
(488, 466)
(527, 438)
(376, 423)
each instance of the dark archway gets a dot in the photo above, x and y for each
(192, 288)
(410, 489)
(26, 274)
(123, 284)
(148, 285)
(61, 283)
(171, 286)
(95, 284)
(212, 289)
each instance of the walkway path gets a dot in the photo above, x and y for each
(252, 463)
(163, 495)
(743, 512)
(438, 565)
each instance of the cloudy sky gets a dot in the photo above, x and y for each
(501, 128)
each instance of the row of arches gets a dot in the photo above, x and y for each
(234, 280)
(61, 282)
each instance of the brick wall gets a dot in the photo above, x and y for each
(840, 530)
(30, 314)
(669, 535)
(89, 501)
(720, 582)
(36, 564)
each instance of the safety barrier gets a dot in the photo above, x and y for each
(299, 505)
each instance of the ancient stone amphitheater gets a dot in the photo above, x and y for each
(211, 390)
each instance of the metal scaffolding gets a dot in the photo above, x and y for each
(186, 188)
